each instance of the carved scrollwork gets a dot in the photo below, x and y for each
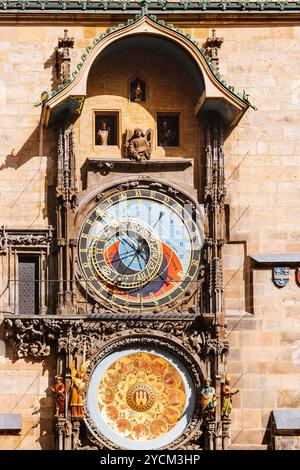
(215, 346)
(28, 337)
(35, 337)
(17, 237)
(105, 167)
(129, 185)
(191, 436)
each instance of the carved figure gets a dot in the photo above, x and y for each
(138, 92)
(60, 393)
(78, 389)
(64, 45)
(208, 399)
(166, 135)
(138, 146)
(103, 133)
(3, 244)
(227, 394)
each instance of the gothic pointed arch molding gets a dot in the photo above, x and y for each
(215, 94)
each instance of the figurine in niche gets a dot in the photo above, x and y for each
(78, 389)
(103, 134)
(168, 131)
(138, 93)
(227, 394)
(208, 399)
(137, 90)
(59, 390)
(139, 145)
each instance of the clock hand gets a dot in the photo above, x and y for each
(161, 214)
(136, 255)
(125, 240)
(128, 253)
(121, 258)
(127, 267)
(167, 280)
(139, 261)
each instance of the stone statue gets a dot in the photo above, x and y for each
(103, 133)
(166, 135)
(60, 393)
(208, 399)
(78, 389)
(138, 146)
(227, 393)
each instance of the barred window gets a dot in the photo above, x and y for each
(28, 275)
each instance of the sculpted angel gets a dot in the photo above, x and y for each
(78, 389)
(139, 145)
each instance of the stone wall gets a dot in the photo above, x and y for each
(262, 171)
(25, 389)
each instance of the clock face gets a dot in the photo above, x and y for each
(139, 248)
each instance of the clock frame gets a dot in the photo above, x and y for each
(139, 247)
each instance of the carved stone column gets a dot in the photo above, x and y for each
(66, 193)
(76, 434)
(225, 432)
(210, 434)
(216, 346)
(60, 427)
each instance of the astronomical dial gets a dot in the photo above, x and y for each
(139, 248)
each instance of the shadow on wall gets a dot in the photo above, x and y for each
(267, 439)
(37, 145)
(51, 63)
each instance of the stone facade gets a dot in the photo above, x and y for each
(262, 169)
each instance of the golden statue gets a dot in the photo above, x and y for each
(208, 399)
(78, 389)
(227, 393)
(138, 92)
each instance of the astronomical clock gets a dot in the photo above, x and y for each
(140, 249)
(129, 304)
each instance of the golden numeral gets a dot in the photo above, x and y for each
(101, 213)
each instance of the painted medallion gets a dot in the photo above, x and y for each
(141, 396)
